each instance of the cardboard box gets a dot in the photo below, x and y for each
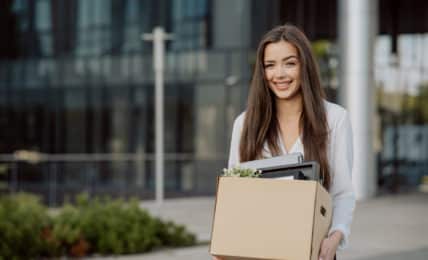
(258, 218)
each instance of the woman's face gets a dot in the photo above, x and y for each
(282, 69)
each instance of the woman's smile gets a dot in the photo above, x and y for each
(282, 69)
(282, 85)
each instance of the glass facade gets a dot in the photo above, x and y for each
(401, 73)
(76, 86)
(80, 92)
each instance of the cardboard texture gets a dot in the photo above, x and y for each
(269, 219)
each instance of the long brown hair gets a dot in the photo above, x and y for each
(261, 124)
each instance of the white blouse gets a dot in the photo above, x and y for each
(340, 156)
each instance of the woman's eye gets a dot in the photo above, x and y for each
(290, 64)
(268, 66)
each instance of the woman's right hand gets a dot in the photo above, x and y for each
(216, 258)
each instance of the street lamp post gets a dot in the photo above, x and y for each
(158, 37)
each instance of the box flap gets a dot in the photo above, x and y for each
(322, 219)
(215, 205)
(263, 218)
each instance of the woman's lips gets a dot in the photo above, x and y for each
(282, 85)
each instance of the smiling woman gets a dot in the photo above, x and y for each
(282, 69)
(287, 112)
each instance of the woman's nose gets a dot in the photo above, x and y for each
(281, 72)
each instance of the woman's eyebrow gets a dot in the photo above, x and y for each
(286, 58)
(289, 57)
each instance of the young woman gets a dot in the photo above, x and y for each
(287, 113)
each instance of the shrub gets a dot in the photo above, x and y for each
(101, 226)
(112, 227)
(174, 235)
(22, 221)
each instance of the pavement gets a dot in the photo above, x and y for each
(393, 227)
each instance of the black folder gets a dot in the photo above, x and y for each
(308, 170)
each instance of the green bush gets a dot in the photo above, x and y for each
(100, 226)
(22, 221)
(110, 227)
(173, 235)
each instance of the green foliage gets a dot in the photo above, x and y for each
(113, 227)
(321, 48)
(402, 107)
(101, 226)
(421, 105)
(237, 171)
(22, 221)
(173, 235)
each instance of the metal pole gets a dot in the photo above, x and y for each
(14, 186)
(52, 184)
(158, 57)
(158, 37)
(357, 29)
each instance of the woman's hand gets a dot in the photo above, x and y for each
(216, 258)
(329, 246)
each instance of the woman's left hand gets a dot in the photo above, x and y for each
(329, 246)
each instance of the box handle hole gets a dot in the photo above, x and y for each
(323, 211)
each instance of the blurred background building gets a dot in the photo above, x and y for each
(77, 90)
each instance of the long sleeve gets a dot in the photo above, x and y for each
(341, 189)
(235, 140)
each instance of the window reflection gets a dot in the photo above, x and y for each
(83, 87)
(190, 24)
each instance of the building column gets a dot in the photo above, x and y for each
(357, 26)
